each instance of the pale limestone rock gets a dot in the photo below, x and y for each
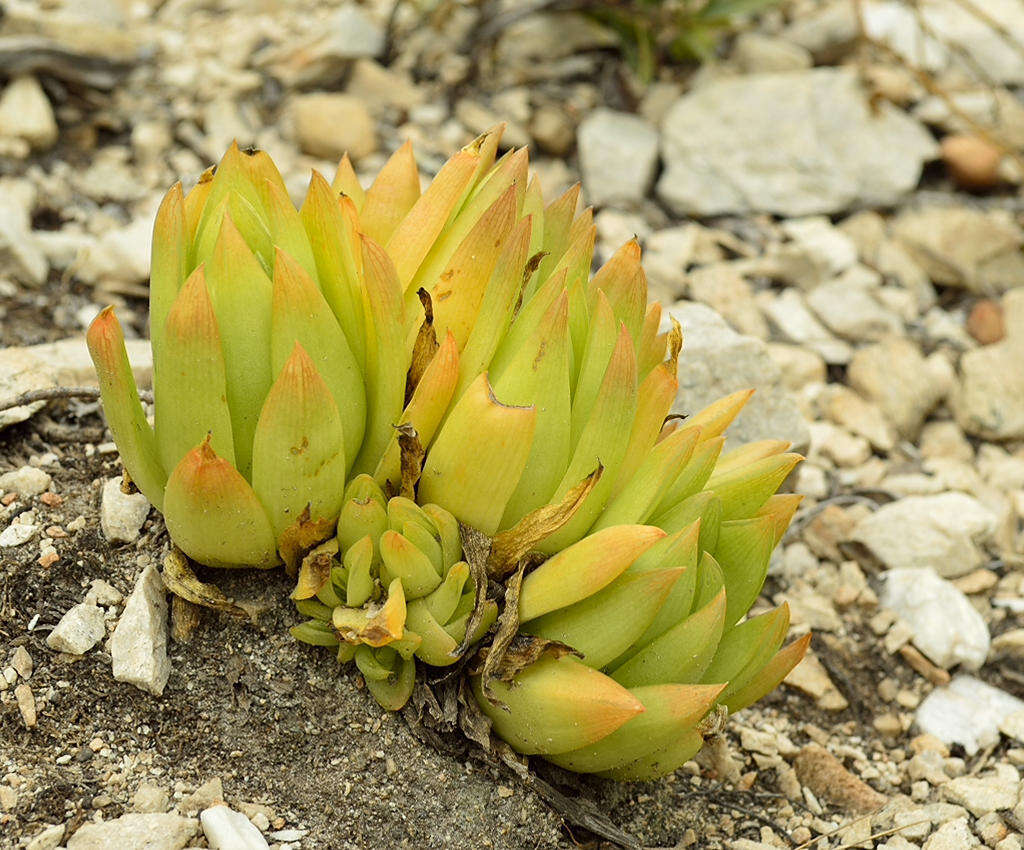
(226, 829)
(79, 630)
(795, 143)
(895, 376)
(944, 532)
(618, 156)
(722, 361)
(135, 831)
(138, 647)
(25, 113)
(944, 624)
(122, 514)
(327, 125)
(25, 481)
(966, 712)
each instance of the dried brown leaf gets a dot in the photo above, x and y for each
(299, 538)
(509, 547)
(184, 619)
(181, 580)
(476, 546)
(505, 632)
(412, 454)
(424, 348)
(315, 571)
(675, 343)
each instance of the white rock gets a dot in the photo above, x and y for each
(943, 35)
(989, 399)
(966, 712)
(479, 117)
(618, 156)
(17, 533)
(725, 290)
(138, 647)
(722, 361)
(381, 87)
(48, 839)
(795, 323)
(979, 250)
(945, 440)
(134, 831)
(150, 797)
(853, 312)
(756, 53)
(151, 139)
(824, 29)
(20, 254)
(122, 514)
(844, 407)
(535, 41)
(230, 830)
(799, 366)
(66, 363)
(953, 835)
(350, 33)
(25, 481)
(25, 113)
(666, 256)
(795, 143)
(553, 129)
(328, 125)
(833, 250)
(109, 176)
(946, 627)
(943, 532)
(1012, 726)
(22, 663)
(79, 630)
(103, 593)
(984, 794)
(207, 795)
(120, 255)
(838, 445)
(893, 374)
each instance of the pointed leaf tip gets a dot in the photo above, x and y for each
(213, 514)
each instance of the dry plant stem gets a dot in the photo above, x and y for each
(933, 88)
(964, 55)
(913, 657)
(54, 393)
(977, 11)
(885, 833)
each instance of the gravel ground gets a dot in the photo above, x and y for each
(861, 265)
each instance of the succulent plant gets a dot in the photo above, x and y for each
(390, 585)
(422, 402)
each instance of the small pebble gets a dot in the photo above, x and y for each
(26, 705)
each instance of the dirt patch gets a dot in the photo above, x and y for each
(277, 721)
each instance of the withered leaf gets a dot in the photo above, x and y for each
(424, 348)
(531, 266)
(675, 343)
(412, 454)
(315, 571)
(475, 725)
(181, 580)
(476, 547)
(302, 536)
(510, 546)
(374, 625)
(524, 650)
(184, 619)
